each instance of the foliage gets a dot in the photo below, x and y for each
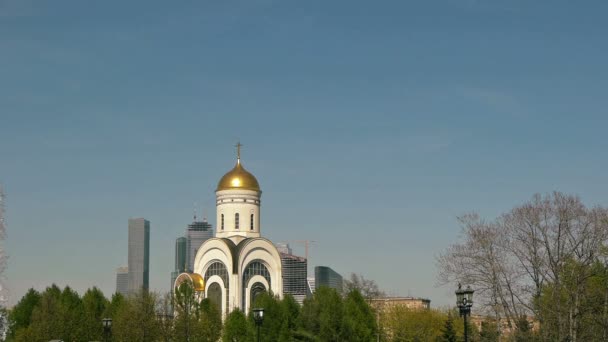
(135, 320)
(21, 314)
(322, 314)
(489, 332)
(237, 328)
(400, 323)
(367, 287)
(198, 321)
(63, 315)
(275, 318)
(448, 334)
(546, 258)
(359, 322)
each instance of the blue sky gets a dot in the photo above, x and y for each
(370, 125)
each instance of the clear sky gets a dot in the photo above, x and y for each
(370, 125)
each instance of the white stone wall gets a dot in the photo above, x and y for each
(243, 202)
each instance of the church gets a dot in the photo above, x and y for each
(238, 263)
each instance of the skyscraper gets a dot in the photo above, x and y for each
(181, 252)
(139, 254)
(294, 275)
(325, 276)
(122, 280)
(196, 233)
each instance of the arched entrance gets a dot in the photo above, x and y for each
(214, 293)
(256, 289)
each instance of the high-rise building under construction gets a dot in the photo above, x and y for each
(196, 233)
(294, 275)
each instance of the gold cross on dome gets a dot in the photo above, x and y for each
(238, 150)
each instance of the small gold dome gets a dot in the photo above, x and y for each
(238, 178)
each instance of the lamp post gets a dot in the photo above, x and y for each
(107, 328)
(464, 301)
(258, 317)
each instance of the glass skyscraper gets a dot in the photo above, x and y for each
(181, 252)
(325, 276)
(139, 254)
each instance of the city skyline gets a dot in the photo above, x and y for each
(370, 127)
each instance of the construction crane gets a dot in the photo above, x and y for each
(306, 244)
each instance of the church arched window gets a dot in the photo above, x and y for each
(222, 221)
(236, 221)
(251, 222)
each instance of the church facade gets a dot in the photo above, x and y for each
(238, 263)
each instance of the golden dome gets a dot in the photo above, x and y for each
(195, 279)
(238, 178)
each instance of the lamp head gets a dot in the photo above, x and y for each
(258, 315)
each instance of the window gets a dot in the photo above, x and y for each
(222, 221)
(251, 222)
(236, 221)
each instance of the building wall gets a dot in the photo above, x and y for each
(196, 233)
(122, 280)
(139, 254)
(385, 303)
(325, 276)
(181, 253)
(294, 276)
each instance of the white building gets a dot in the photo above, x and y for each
(238, 263)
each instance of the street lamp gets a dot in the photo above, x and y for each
(258, 317)
(464, 301)
(107, 328)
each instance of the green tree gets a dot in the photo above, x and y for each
(195, 321)
(523, 331)
(135, 320)
(21, 315)
(114, 305)
(94, 304)
(322, 314)
(209, 324)
(489, 332)
(274, 316)
(237, 328)
(71, 316)
(291, 314)
(448, 332)
(186, 312)
(359, 323)
(44, 324)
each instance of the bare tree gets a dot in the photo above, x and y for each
(545, 248)
(481, 261)
(367, 287)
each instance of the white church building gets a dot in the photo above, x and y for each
(238, 263)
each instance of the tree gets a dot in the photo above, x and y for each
(367, 287)
(523, 333)
(274, 316)
(209, 324)
(200, 321)
(186, 310)
(359, 322)
(94, 304)
(237, 328)
(401, 323)
(538, 258)
(448, 332)
(322, 314)
(20, 316)
(291, 314)
(135, 320)
(489, 332)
